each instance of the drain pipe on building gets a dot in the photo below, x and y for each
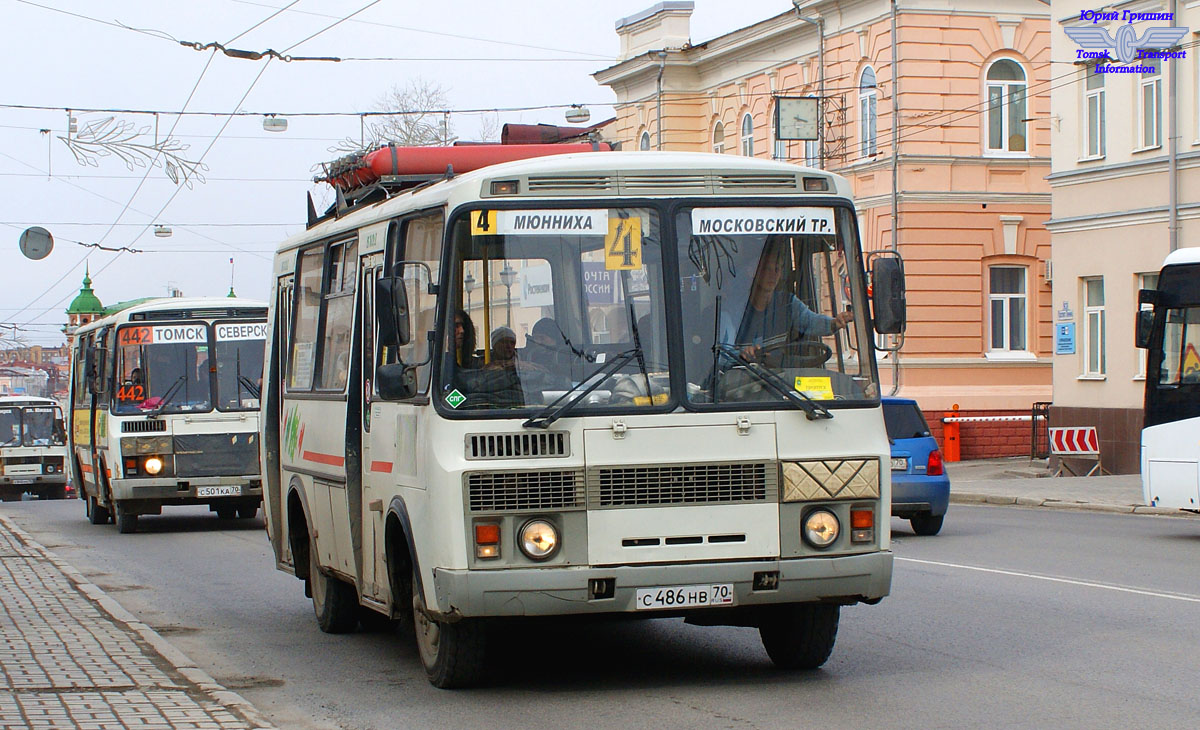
(1173, 147)
(895, 175)
(662, 66)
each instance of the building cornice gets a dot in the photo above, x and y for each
(957, 198)
(1120, 218)
(1148, 166)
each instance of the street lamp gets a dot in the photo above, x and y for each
(507, 277)
(469, 286)
(820, 23)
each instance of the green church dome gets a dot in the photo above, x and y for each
(87, 302)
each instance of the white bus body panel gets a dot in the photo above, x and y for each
(1171, 465)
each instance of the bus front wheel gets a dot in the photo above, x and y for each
(96, 514)
(334, 602)
(799, 635)
(452, 653)
(126, 520)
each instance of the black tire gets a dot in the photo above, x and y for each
(247, 511)
(927, 524)
(57, 492)
(334, 602)
(226, 512)
(126, 521)
(453, 654)
(96, 514)
(801, 635)
(10, 496)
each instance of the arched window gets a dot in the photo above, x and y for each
(644, 141)
(719, 138)
(747, 136)
(868, 120)
(1006, 107)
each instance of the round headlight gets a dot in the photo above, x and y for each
(539, 539)
(821, 528)
(153, 465)
(49, 468)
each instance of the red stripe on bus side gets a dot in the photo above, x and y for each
(384, 466)
(319, 458)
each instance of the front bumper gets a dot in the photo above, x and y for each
(169, 489)
(26, 480)
(564, 591)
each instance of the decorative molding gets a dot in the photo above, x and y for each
(1010, 223)
(121, 139)
(1008, 30)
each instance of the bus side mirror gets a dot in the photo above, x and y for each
(391, 310)
(396, 381)
(888, 303)
(97, 357)
(1145, 318)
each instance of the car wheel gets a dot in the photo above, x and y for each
(334, 602)
(799, 635)
(927, 524)
(452, 653)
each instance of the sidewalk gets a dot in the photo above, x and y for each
(71, 658)
(1017, 480)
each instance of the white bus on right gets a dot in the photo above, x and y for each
(1170, 331)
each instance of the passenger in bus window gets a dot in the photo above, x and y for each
(464, 342)
(504, 348)
(772, 313)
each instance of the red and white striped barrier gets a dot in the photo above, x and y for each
(1074, 441)
(983, 419)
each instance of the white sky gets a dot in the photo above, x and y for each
(256, 180)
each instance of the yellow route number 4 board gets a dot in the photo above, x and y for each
(623, 244)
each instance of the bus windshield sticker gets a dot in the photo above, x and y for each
(241, 331)
(817, 388)
(623, 244)
(454, 399)
(762, 221)
(559, 222)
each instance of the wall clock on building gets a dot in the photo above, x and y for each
(796, 117)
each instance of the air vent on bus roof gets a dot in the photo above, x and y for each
(147, 426)
(571, 184)
(742, 182)
(697, 182)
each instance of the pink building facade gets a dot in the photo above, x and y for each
(961, 124)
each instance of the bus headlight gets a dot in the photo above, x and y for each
(153, 465)
(539, 539)
(821, 528)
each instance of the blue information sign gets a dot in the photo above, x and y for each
(1064, 338)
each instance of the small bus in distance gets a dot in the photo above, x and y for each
(33, 448)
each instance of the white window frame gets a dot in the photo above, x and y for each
(812, 153)
(868, 114)
(644, 140)
(1150, 84)
(718, 145)
(1006, 346)
(1094, 130)
(1093, 332)
(747, 137)
(1007, 88)
(1145, 281)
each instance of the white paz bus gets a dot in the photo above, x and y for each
(582, 384)
(165, 398)
(1170, 330)
(33, 448)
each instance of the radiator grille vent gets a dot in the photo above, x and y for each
(577, 184)
(149, 426)
(524, 490)
(648, 486)
(757, 181)
(650, 183)
(518, 445)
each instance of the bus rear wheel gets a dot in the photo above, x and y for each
(96, 514)
(452, 653)
(334, 602)
(799, 635)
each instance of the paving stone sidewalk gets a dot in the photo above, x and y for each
(72, 658)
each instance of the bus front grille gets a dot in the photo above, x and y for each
(681, 484)
(509, 491)
(216, 454)
(147, 426)
(518, 445)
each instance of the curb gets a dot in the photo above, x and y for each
(1125, 509)
(187, 668)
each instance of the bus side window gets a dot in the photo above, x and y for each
(338, 315)
(422, 242)
(302, 358)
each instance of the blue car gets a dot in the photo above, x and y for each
(920, 487)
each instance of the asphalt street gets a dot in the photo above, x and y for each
(1011, 617)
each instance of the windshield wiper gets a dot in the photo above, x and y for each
(250, 387)
(553, 412)
(168, 396)
(811, 408)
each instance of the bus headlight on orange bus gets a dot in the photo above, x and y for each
(539, 539)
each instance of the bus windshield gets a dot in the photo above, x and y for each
(767, 301)
(239, 350)
(42, 426)
(1180, 348)
(557, 301)
(163, 368)
(10, 427)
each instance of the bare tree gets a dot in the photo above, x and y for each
(489, 127)
(415, 116)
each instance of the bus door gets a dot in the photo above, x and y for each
(376, 463)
